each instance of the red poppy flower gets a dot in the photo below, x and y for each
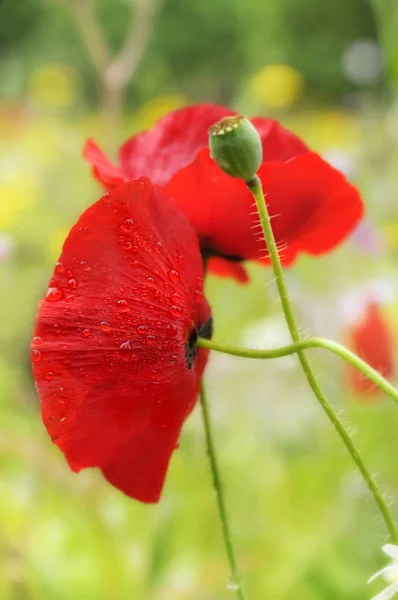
(313, 206)
(371, 338)
(114, 355)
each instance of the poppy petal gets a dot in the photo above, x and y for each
(173, 143)
(103, 169)
(227, 268)
(278, 143)
(372, 340)
(313, 207)
(109, 352)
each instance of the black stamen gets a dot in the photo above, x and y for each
(191, 350)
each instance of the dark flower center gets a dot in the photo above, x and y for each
(191, 349)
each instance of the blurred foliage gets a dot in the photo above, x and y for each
(202, 50)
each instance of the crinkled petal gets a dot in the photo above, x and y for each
(109, 347)
(313, 207)
(173, 143)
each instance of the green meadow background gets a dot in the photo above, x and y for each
(303, 522)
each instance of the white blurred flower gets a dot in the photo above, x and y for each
(389, 574)
(362, 62)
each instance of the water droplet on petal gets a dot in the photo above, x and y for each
(122, 306)
(86, 333)
(127, 225)
(170, 330)
(159, 325)
(37, 340)
(35, 355)
(150, 340)
(142, 329)
(176, 311)
(85, 232)
(49, 376)
(176, 298)
(125, 345)
(135, 264)
(149, 281)
(199, 282)
(158, 247)
(174, 275)
(72, 283)
(85, 266)
(53, 294)
(127, 245)
(105, 326)
(173, 359)
(59, 267)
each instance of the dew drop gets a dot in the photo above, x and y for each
(142, 329)
(49, 376)
(86, 333)
(150, 340)
(149, 281)
(173, 359)
(62, 419)
(199, 282)
(105, 326)
(232, 585)
(125, 345)
(53, 294)
(72, 283)
(176, 311)
(38, 340)
(69, 298)
(135, 264)
(170, 330)
(159, 325)
(175, 298)
(174, 275)
(85, 266)
(122, 306)
(59, 267)
(144, 296)
(127, 225)
(127, 245)
(158, 247)
(35, 356)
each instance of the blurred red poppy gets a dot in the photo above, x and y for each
(114, 355)
(371, 338)
(312, 205)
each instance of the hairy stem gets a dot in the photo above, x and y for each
(234, 582)
(304, 344)
(257, 191)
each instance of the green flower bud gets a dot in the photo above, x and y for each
(235, 145)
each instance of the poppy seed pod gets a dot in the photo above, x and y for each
(235, 145)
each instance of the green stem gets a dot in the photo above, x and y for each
(257, 191)
(334, 347)
(235, 581)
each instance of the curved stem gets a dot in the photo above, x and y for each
(257, 191)
(334, 347)
(234, 582)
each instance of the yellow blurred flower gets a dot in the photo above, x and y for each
(335, 128)
(55, 243)
(276, 86)
(390, 234)
(147, 115)
(18, 193)
(53, 86)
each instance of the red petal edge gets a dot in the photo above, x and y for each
(103, 169)
(109, 348)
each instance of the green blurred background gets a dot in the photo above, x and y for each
(304, 524)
